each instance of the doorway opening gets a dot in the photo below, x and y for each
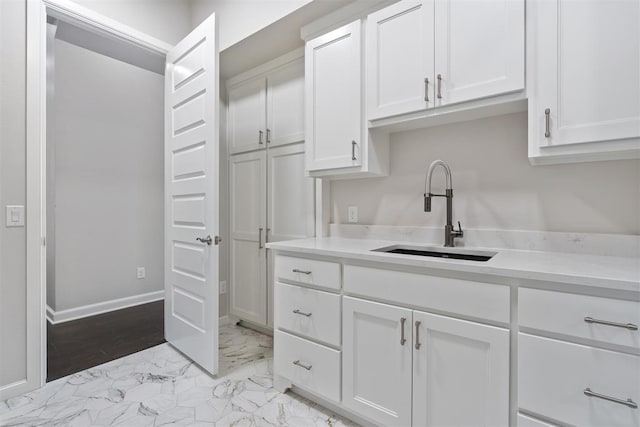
(104, 199)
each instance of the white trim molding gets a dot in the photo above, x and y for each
(61, 316)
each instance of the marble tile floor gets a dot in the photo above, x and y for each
(161, 387)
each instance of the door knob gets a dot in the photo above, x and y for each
(206, 240)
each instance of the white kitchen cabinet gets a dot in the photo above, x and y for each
(266, 109)
(584, 90)
(376, 363)
(248, 205)
(457, 362)
(337, 141)
(433, 53)
(270, 200)
(400, 59)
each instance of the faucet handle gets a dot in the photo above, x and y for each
(459, 227)
(458, 232)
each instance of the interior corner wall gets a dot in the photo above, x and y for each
(494, 185)
(109, 185)
(13, 333)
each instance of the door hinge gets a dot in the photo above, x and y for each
(217, 240)
(44, 241)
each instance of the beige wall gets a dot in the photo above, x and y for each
(12, 191)
(494, 184)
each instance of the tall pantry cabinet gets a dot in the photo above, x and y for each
(270, 198)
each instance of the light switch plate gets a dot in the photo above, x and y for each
(353, 214)
(15, 216)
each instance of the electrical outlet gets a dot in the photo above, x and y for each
(223, 287)
(353, 214)
(141, 273)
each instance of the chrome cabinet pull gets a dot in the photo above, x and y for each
(439, 95)
(630, 403)
(301, 313)
(260, 245)
(268, 136)
(206, 240)
(418, 345)
(426, 89)
(302, 365)
(260, 137)
(547, 131)
(307, 272)
(629, 326)
(402, 338)
(353, 150)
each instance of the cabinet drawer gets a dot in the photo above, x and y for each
(468, 298)
(309, 271)
(308, 365)
(308, 312)
(553, 376)
(565, 313)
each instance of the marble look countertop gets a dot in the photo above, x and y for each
(610, 272)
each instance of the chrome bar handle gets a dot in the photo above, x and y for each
(307, 272)
(260, 245)
(630, 326)
(268, 136)
(630, 403)
(260, 137)
(301, 313)
(439, 95)
(302, 365)
(547, 124)
(353, 150)
(418, 345)
(426, 89)
(402, 338)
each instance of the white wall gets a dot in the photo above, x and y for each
(109, 167)
(494, 184)
(167, 20)
(238, 19)
(12, 191)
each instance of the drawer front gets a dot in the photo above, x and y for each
(565, 314)
(324, 274)
(553, 376)
(308, 312)
(474, 299)
(308, 365)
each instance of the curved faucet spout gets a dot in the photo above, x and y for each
(449, 232)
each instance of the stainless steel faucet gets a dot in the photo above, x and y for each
(449, 232)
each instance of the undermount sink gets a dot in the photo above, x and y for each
(438, 252)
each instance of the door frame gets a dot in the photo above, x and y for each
(36, 144)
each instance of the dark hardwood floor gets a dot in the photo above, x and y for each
(84, 343)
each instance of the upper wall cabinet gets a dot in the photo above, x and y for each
(433, 53)
(584, 89)
(338, 144)
(266, 109)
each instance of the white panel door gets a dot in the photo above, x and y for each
(285, 104)
(479, 50)
(376, 362)
(333, 99)
(400, 59)
(593, 93)
(246, 121)
(247, 199)
(191, 196)
(460, 372)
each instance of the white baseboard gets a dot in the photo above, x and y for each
(55, 317)
(224, 321)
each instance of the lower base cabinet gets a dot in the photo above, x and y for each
(405, 367)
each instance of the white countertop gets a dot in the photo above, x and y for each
(609, 272)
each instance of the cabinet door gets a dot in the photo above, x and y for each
(247, 198)
(587, 63)
(479, 48)
(285, 104)
(460, 372)
(333, 99)
(376, 364)
(400, 59)
(247, 115)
